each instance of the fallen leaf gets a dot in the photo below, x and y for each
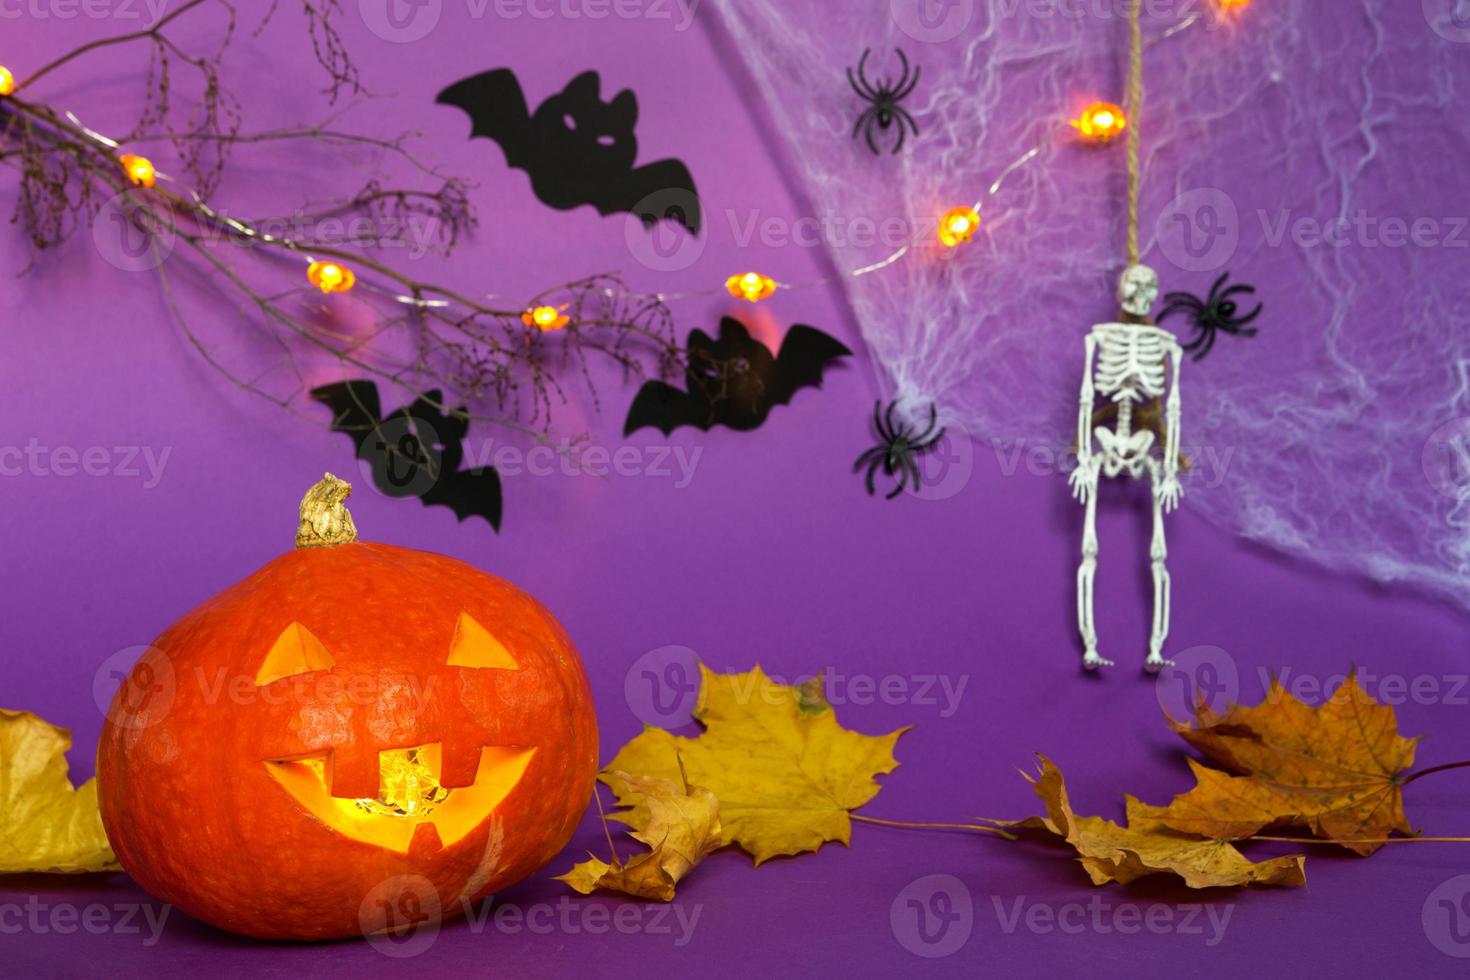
(1334, 770)
(785, 772)
(1110, 853)
(682, 827)
(46, 824)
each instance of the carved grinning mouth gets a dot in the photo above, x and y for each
(411, 804)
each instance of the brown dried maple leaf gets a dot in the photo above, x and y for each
(1335, 770)
(1110, 853)
(680, 825)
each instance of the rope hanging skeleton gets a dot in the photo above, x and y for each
(1133, 365)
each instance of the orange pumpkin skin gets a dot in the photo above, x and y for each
(185, 765)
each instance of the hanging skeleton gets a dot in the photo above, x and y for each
(1134, 365)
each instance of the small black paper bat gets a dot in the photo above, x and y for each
(416, 451)
(578, 149)
(734, 381)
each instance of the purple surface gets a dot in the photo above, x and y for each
(770, 553)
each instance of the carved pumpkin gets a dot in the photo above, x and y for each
(356, 738)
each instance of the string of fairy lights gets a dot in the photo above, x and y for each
(1099, 124)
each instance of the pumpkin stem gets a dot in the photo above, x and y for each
(324, 517)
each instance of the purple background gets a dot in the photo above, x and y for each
(771, 553)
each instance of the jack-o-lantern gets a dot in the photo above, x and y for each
(356, 738)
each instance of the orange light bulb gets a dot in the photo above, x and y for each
(1101, 122)
(7, 81)
(139, 169)
(751, 286)
(330, 277)
(546, 318)
(1234, 4)
(958, 226)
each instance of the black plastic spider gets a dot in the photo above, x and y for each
(1212, 314)
(900, 445)
(884, 109)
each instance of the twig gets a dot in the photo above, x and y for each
(75, 53)
(1366, 840)
(909, 825)
(472, 350)
(1429, 772)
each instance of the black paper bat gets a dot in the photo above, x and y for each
(416, 451)
(578, 149)
(734, 381)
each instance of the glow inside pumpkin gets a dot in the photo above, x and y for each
(411, 793)
(411, 796)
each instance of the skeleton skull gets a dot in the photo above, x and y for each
(1138, 289)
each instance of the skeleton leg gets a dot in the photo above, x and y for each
(1086, 573)
(1158, 553)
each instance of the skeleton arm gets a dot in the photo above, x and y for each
(1086, 405)
(1171, 489)
(1173, 411)
(1083, 478)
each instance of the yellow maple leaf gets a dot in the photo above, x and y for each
(682, 829)
(1110, 853)
(785, 772)
(1335, 770)
(46, 824)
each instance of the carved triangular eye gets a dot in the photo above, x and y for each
(473, 646)
(296, 651)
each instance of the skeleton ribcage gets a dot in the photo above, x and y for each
(1130, 361)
